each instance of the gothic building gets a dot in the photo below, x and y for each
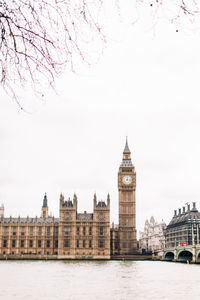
(152, 238)
(76, 235)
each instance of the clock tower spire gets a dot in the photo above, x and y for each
(126, 155)
(127, 212)
(126, 149)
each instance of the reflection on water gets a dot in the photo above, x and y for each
(94, 280)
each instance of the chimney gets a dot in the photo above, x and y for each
(175, 213)
(194, 207)
(188, 207)
(179, 211)
(183, 209)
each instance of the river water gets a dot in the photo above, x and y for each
(106, 280)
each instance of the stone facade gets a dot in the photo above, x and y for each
(72, 235)
(152, 239)
(76, 235)
(184, 228)
(84, 235)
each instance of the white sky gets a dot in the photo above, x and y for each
(145, 86)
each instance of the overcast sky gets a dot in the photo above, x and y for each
(146, 87)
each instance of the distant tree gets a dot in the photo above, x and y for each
(38, 38)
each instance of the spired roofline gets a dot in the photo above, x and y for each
(126, 149)
(126, 161)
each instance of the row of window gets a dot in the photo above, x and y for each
(126, 245)
(173, 244)
(48, 230)
(177, 234)
(126, 209)
(181, 236)
(31, 230)
(127, 197)
(78, 231)
(83, 230)
(178, 238)
(30, 243)
(79, 244)
(83, 244)
(126, 235)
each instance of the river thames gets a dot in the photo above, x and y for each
(93, 280)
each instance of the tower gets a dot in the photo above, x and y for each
(44, 207)
(101, 228)
(127, 212)
(67, 227)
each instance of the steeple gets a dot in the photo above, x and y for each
(126, 161)
(126, 149)
(44, 213)
(45, 201)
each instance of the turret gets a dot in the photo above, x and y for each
(2, 211)
(61, 199)
(44, 207)
(75, 201)
(95, 200)
(108, 200)
(68, 208)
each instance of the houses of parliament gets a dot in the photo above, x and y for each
(76, 235)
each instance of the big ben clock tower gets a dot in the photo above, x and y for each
(127, 213)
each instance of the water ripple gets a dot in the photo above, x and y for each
(107, 280)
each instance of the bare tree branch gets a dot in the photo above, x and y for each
(38, 38)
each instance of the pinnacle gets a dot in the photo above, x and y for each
(126, 149)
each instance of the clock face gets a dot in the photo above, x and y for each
(127, 179)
